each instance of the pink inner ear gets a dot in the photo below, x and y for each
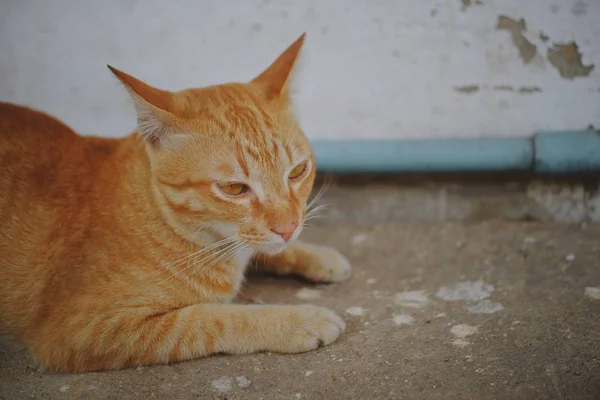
(154, 140)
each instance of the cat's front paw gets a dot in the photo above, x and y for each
(311, 327)
(327, 265)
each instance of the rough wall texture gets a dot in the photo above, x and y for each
(401, 69)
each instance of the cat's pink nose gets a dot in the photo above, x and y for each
(285, 231)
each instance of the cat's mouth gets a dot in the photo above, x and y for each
(266, 245)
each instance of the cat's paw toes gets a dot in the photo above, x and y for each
(319, 326)
(329, 266)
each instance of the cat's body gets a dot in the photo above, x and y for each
(123, 252)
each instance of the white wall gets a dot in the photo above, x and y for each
(373, 68)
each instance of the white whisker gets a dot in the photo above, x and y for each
(202, 250)
(221, 258)
(192, 263)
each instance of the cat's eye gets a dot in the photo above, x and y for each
(298, 171)
(234, 189)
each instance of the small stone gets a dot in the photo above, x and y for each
(412, 299)
(485, 307)
(460, 343)
(243, 382)
(223, 384)
(463, 330)
(308, 373)
(308, 294)
(355, 311)
(403, 319)
(592, 292)
(358, 239)
(570, 257)
(64, 388)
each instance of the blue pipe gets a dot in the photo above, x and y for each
(554, 152)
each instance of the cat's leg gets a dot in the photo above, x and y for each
(131, 339)
(315, 263)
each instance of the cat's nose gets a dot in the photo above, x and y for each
(286, 231)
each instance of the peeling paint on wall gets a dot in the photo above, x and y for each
(468, 89)
(566, 58)
(504, 88)
(527, 50)
(529, 89)
(520, 89)
(430, 50)
(468, 3)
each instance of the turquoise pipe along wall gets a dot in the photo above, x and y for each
(545, 153)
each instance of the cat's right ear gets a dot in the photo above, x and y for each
(153, 107)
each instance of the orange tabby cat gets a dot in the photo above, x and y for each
(123, 252)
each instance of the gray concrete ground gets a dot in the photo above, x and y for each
(468, 309)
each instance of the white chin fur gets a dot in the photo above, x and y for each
(271, 248)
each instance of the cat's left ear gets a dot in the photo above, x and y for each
(153, 106)
(276, 78)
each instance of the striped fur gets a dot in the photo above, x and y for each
(123, 252)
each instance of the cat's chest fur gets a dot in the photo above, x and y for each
(220, 283)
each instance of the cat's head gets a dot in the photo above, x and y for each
(229, 157)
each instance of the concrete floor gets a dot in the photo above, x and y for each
(448, 310)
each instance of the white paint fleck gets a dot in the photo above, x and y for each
(356, 311)
(440, 315)
(371, 281)
(224, 384)
(570, 257)
(308, 373)
(243, 382)
(298, 396)
(139, 369)
(403, 319)
(64, 388)
(463, 330)
(592, 292)
(460, 332)
(529, 240)
(412, 299)
(460, 343)
(485, 307)
(308, 294)
(467, 290)
(358, 239)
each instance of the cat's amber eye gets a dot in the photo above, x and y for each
(234, 189)
(298, 171)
